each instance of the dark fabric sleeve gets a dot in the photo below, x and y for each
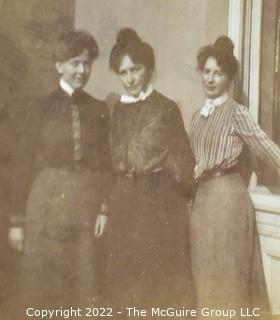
(180, 161)
(117, 143)
(105, 168)
(24, 159)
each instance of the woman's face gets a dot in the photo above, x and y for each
(76, 71)
(215, 82)
(134, 76)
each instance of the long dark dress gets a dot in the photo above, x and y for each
(148, 261)
(60, 197)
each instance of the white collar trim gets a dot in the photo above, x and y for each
(210, 104)
(66, 87)
(142, 96)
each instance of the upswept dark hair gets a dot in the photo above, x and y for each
(129, 43)
(72, 43)
(222, 51)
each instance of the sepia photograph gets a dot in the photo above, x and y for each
(140, 159)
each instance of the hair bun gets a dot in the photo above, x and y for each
(225, 44)
(126, 36)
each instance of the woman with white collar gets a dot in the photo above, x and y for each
(225, 249)
(148, 262)
(59, 185)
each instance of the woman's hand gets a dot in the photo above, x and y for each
(16, 238)
(100, 224)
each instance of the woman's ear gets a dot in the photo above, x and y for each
(58, 66)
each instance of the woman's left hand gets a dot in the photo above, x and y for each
(100, 225)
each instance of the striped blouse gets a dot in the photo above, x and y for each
(217, 140)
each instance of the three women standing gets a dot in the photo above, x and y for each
(148, 263)
(225, 248)
(64, 158)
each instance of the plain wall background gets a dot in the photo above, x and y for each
(31, 28)
(176, 29)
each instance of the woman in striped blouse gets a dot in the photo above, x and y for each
(225, 248)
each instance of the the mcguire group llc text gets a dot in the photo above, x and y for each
(133, 312)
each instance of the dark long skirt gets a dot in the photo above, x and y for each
(148, 254)
(225, 247)
(58, 260)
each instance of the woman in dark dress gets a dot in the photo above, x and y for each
(225, 247)
(59, 184)
(148, 261)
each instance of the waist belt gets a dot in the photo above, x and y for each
(209, 174)
(133, 174)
